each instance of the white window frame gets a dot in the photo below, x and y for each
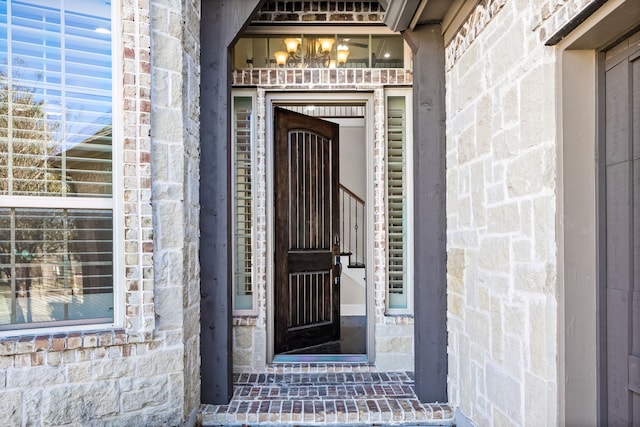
(407, 94)
(117, 64)
(115, 203)
(245, 93)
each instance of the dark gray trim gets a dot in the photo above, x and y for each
(399, 14)
(430, 284)
(221, 23)
(601, 246)
(572, 24)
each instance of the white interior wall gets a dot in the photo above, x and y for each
(353, 154)
(353, 157)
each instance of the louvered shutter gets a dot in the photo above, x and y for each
(396, 202)
(243, 204)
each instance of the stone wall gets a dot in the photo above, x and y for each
(501, 212)
(175, 153)
(191, 217)
(145, 373)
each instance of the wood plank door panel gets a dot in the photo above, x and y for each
(307, 270)
(622, 211)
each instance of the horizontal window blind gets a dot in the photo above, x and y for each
(55, 265)
(56, 257)
(55, 114)
(327, 111)
(396, 202)
(243, 204)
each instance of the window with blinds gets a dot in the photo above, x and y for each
(56, 181)
(398, 205)
(244, 294)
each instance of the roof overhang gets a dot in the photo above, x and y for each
(400, 13)
(403, 15)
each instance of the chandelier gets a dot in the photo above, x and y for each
(317, 53)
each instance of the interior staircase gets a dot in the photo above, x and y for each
(352, 254)
(352, 288)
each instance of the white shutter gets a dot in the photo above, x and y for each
(243, 204)
(395, 198)
(398, 205)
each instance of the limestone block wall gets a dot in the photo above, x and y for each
(175, 139)
(501, 212)
(190, 24)
(146, 373)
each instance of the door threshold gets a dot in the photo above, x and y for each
(320, 358)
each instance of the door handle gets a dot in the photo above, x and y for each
(337, 262)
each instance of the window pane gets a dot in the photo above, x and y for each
(55, 265)
(396, 202)
(319, 51)
(387, 52)
(358, 49)
(243, 206)
(55, 105)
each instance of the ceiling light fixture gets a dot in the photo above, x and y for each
(316, 52)
(342, 53)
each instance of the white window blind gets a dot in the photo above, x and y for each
(243, 204)
(398, 212)
(56, 181)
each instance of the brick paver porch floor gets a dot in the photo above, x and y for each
(325, 394)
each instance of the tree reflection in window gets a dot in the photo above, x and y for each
(56, 191)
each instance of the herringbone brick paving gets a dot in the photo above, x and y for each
(325, 395)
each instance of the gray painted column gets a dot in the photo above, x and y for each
(221, 23)
(430, 285)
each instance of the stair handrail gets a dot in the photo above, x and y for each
(352, 194)
(352, 225)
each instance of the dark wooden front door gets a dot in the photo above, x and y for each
(622, 234)
(307, 261)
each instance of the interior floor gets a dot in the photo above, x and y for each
(353, 339)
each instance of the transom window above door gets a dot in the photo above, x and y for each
(321, 51)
